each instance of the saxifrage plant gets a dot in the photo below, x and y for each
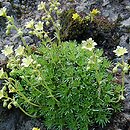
(67, 84)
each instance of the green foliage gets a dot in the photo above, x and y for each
(67, 84)
(59, 87)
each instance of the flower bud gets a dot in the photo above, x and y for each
(50, 10)
(15, 103)
(4, 103)
(38, 65)
(56, 8)
(58, 4)
(9, 106)
(114, 70)
(122, 97)
(47, 23)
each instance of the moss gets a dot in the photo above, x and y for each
(104, 32)
(73, 29)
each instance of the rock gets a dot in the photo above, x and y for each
(126, 81)
(14, 119)
(2, 59)
(126, 23)
(128, 7)
(29, 124)
(105, 2)
(113, 16)
(127, 116)
(28, 40)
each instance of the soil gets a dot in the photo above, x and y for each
(24, 10)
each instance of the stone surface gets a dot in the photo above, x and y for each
(126, 23)
(24, 10)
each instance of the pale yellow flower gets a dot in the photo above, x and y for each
(7, 50)
(26, 61)
(89, 44)
(1, 73)
(30, 24)
(95, 11)
(39, 26)
(19, 51)
(10, 19)
(3, 12)
(41, 6)
(75, 16)
(120, 51)
(35, 128)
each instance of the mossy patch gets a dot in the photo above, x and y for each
(104, 32)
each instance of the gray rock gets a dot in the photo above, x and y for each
(105, 2)
(28, 40)
(128, 7)
(2, 57)
(126, 81)
(127, 116)
(126, 23)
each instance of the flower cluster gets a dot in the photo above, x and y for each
(89, 17)
(48, 18)
(120, 52)
(19, 51)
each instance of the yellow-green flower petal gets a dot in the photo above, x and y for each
(95, 11)
(89, 44)
(41, 6)
(7, 50)
(39, 26)
(120, 51)
(3, 12)
(75, 16)
(19, 51)
(30, 24)
(26, 61)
